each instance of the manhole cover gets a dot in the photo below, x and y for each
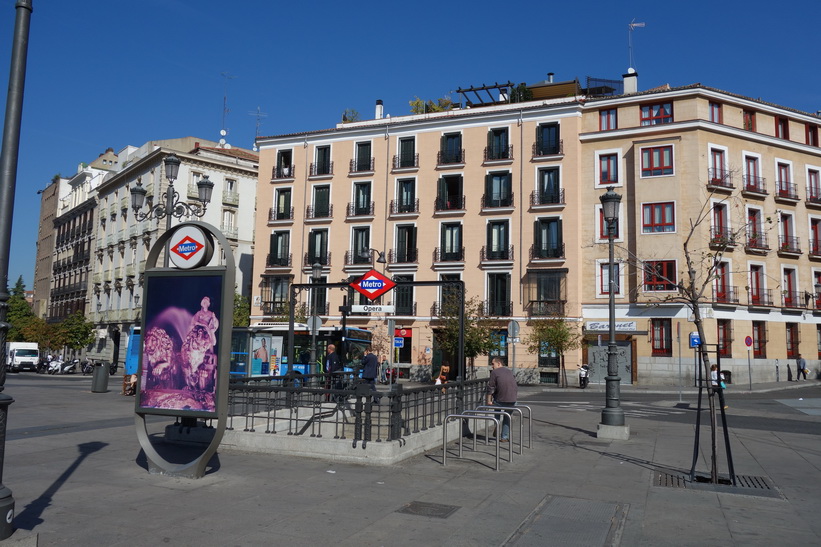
(746, 485)
(422, 509)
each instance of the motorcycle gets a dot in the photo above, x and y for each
(112, 369)
(42, 366)
(55, 366)
(87, 367)
(584, 376)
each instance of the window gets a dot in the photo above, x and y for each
(362, 204)
(815, 237)
(660, 275)
(725, 337)
(759, 340)
(792, 340)
(547, 238)
(405, 244)
(549, 189)
(813, 185)
(407, 152)
(715, 113)
(322, 202)
(608, 169)
(787, 240)
(274, 294)
(658, 217)
(320, 296)
(318, 247)
(229, 222)
(361, 239)
(230, 185)
(812, 135)
(749, 120)
(498, 147)
(449, 194)
(284, 167)
(451, 149)
(403, 296)
(718, 174)
(657, 161)
(604, 277)
(785, 186)
(752, 181)
(723, 291)
(758, 295)
(498, 240)
(282, 209)
(547, 140)
(323, 165)
(603, 225)
(406, 195)
(656, 114)
(498, 190)
(661, 334)
(546, 292)
(499, 340)
(279, 249)
(498, 294)
(782, 127)
(720, 232)
(451, 242)
(607, 119)
(363, 161)
(792, 299)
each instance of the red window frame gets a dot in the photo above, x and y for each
(660, 275)
(812, 134)
(759, 340)
(655, 218)
(656, 113)
(813, 184)
(608, 169)
(782, 127)
(749, 120)
(653, 161)
(757, 294)
(815, 237)
(661, 335)
(604, 287)
(725, 337)
(716, 115)
(784, 177)
(608, 119)
(603, 226)
(792, 340)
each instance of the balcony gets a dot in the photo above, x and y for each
(794, 299)
(403, 256)
(815, 249)
(450, 157)
(405, 308)
(490, 254)
(725, 295)
(282, 172)
(326, 212)
(230, 198)
(449, 203)
(788, 245)
(231, 232)
(283, 213)
(275, 308)
(538, 199)
(498, 153)
(719, 179)
(406, 161)
(555, 148)
(361, 165)
(399, 207)
(322, 258)
(721, 238)
(192, 191)
(118, 272)
(356, 257)
(497, 201)
(449, 255)
(278, 260)
(546, 252)
(754, 186)
(759, 298)
(756, 243)
(130, 270)
(322, 169)
(786, 191)
(546, 308)
(813, 196)
(356, 209)
(497, 308)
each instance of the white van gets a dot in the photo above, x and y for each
(22, 356)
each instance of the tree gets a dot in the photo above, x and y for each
(76, 332)
(479, 337)
(242, 310)
(521, 93)
(42, 332)
(556, 333)
(19, 313)
(350, 115)
(420, 106)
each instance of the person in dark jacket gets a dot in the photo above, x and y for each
(502, 391)
(370, 368)
(332, 362)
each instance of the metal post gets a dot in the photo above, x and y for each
(8, 181)
(612, 414)
(750, 369)
(169, 204)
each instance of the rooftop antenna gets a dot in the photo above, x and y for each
(630, 27)
(259, 114)
(225, 110)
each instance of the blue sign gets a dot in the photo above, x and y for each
(398, 342)
(695, 340)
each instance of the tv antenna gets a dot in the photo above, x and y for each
(225, 110)
(259, 115)
(630, 28)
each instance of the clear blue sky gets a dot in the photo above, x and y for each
(109, 73)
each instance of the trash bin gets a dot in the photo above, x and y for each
(99, 382)
(728, 376)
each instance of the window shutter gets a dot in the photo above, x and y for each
(560, 235)
(272, 245)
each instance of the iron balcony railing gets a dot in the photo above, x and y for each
(278, 260)
(815, 248)
(403, 256)
(755, 184)
(356, 209)
(277, 213)
(497, 308)
(794, 299)
(725, 295)
(447, 157)
(449, 203)
(814, 195)
(787, 190)
(283, 172)
(405, 308)
(546, 308)
(321, 258)
(361, 165)
(760, 297)
(319, 212)
(494, 201)
(399, 206)
(721, 237)
(496, 253)
(449, 255)
(548, 148)
(789, 244)
(406, 161)
(757, 241)
(551, 251)
(494, 153)
(322, 168)
(547, 198)
(354, 257)
(719, 178)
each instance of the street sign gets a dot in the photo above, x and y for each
(513, 329)
(189, 248)
(514, 340)
(748, 341)
(695, 340)
(314, 323)
(398, 342)
(373, 284)
(373, 308)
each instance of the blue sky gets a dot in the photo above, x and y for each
(109, 73)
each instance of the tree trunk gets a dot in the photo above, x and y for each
(711, 400)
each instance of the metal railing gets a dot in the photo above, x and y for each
(444, 157)
(356, 209)
(757, 185)
(322, 168)
(494, 153)
(552, 148)
(406, 161)
(719, 178)
(500, 253)
(449, 255)
(725, 295)
(283, 172)
(493, 201)
(403, 256)
(450, 203)
(319, 212)
(760, 297)
(284, 213)
(547, 198)
(539, 252)
(361, 165)
(789, 244)
(398, 207)
(786, 190)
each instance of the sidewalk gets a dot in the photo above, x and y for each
(76, 472)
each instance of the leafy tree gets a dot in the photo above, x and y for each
(521, 93)
(556, 333)
(350, 115)
(45, 334)
(242, 310)
(76, 332)
(420, 106)
(282, 313)
(19, 313)
(479, 338)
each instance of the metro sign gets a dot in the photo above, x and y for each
(373, 284)
(187, 247)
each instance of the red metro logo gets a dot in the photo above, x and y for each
(373, 284)
(187, 247)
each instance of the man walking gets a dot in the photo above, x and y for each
(801, 363)
(370, 369)
(502, 391)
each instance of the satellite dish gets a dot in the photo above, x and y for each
(223, 132)
(228, 147)
(254, 148)
(222, 142)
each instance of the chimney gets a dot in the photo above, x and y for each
(631, 81)
(550, 77)
(379, 110)
(503, 95)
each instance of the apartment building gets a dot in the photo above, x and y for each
(45, 248)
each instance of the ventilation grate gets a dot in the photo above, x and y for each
(422, 509)
(746, 485)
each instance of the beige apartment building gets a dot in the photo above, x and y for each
(505, 197)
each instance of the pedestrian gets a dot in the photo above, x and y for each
(801, 366)
(383, 369)
(717, 379)
(502, 391)
(333, 367)
(370, 369)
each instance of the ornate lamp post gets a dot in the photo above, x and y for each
(316, 277)
(612, 417)
(173, 206)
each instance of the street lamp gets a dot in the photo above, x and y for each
(612, 416)
(316, 277)
(173, 206)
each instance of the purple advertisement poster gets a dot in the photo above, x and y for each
(180, 343)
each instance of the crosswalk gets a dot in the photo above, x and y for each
(631, 409)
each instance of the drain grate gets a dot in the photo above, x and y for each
(746, 485)
(422, 509)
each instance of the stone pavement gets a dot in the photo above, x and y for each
(75, 468)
